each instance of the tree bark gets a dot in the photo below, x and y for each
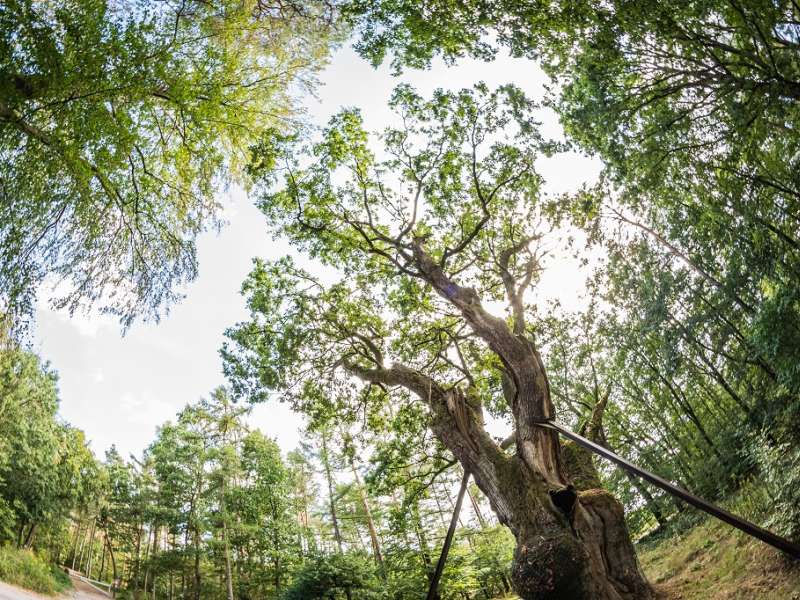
(91, 550)
(373, 532)
(477, 509)
(112, 558)
(569, 543)
(31, 535)
(197, 580)
(326, 463)
(227, 550)
(75, 542)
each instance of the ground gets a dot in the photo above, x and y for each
(81, 591)
(713, 561)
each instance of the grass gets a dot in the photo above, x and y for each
(27, 570)
(713, 561)
(698, 558)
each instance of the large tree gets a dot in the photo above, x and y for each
(693, 108)
(120, 122)
(430, 242)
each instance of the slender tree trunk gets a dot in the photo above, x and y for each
(185, 569)
(136, 565)
(326, 463)
(102, 562)
(171, 574)
(153, 553)
(91, 549)
(439, 510)
(477, 509)
(150, 532)
(30, 537)
(451, 530)
(75, 542)
(227, 550)
(111, 557)
(328, 475)
(83, 547)
(196, 562)
(373, 532)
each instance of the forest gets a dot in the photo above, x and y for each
(406, 324)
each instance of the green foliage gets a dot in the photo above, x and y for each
(693, 109)
(779, 465)
(119, 123)
(462, 211)
(708, 559)
(45, 469)
(25, 569)
(329, 577)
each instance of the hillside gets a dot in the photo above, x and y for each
(714, 561)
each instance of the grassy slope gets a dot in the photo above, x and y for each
(715, 561)
(712, 561)
(26, 570)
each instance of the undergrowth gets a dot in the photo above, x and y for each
(696, 558)
(27, 570)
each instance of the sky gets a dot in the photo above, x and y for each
(119, 389)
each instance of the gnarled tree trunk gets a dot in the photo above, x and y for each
(571, 541)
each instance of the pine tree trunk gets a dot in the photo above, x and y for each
(373, 532)
(228, 572)
(329, 476)
(329, 479)
(112, 558)
(136, 564)
(147, 560)
(477, 509)
(196, 562)
(75, 543)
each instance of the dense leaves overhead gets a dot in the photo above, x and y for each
(119, 125)
(458, 176)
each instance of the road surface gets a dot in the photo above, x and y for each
(80, 591)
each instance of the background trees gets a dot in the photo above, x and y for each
(212, 506)
(46, 470)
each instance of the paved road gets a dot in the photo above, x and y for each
(10, 592)
(81, 591)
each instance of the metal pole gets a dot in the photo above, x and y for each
(437, 575)
(751, 529)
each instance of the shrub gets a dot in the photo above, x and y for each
(328, 577)
(779, 467)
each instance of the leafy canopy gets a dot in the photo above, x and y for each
(457, 179)
(119, 124)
